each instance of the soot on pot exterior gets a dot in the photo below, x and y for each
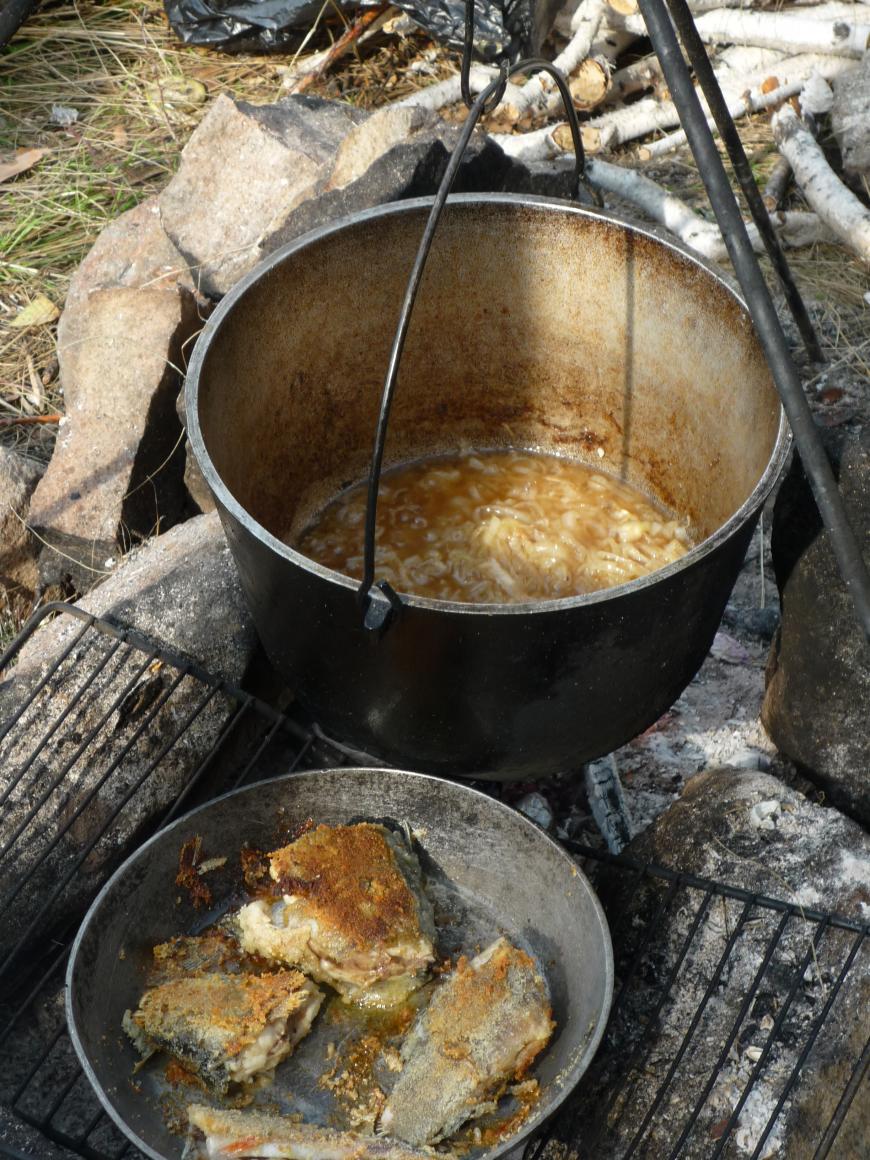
(538, 324)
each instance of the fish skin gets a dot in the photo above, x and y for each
(238, 1135)
(210, 1020)
(483, 1027)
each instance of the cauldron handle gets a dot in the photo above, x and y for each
(378, 601)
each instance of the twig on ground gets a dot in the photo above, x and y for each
(836, 205)
(21, 419)
(369, 20)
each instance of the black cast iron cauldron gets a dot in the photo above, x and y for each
(538, 324)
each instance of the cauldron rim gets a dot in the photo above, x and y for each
(228, 501)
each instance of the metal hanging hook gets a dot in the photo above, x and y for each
(378, 601)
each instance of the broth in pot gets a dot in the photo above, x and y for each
(499, 527)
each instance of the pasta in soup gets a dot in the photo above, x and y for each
(499, 527)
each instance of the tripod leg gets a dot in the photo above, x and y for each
(830, 503)
(700, 62)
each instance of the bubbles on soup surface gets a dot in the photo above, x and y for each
(499, 527)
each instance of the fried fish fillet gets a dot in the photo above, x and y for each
(483, 1027)
(352, 913)
(250, 1135)
(227, 1028)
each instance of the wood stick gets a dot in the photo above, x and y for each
(545, 145)
(836, 205)
(828, 28)
(590, 83)
(777, 184)
(786, 81)
(539, 94)
(15, 420)
(636, 78)
(366, 22)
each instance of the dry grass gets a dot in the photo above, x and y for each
(138, 94)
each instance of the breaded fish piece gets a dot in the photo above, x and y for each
(227, 1028)
(352, 913)
(235, 1135)
(483, 1027)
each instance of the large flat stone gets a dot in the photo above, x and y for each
(87, 769)
(116, 473)
(132, 251)
(242, 172)
(817, 702)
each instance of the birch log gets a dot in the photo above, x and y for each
(704, 237)
(590, 83)
(836, 205)
(539, 94)
(839, 34)
(786, 81)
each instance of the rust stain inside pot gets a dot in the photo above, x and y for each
(500, 527)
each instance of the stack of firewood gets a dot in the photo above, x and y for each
(800, 62)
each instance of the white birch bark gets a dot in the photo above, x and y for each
(539, 93)
(836, 205)
(704, 237)
(790, 78)
(827, 29)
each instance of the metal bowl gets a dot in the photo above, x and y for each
(503, 875)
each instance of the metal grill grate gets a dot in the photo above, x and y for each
(744, 986)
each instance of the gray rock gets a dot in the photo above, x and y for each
(750, 830)
(132, 251)
(818, 681)
(18, 547)
(116, 473)
(180, 589)
(535, 806)
(850, 118)
(138, 732)
(401, 153)
(242, 172)
(197, 489)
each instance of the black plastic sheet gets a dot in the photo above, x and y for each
(504, 29)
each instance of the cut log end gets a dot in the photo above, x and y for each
(590, 83)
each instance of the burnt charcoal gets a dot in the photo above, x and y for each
(758, 622)
(818, 680)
